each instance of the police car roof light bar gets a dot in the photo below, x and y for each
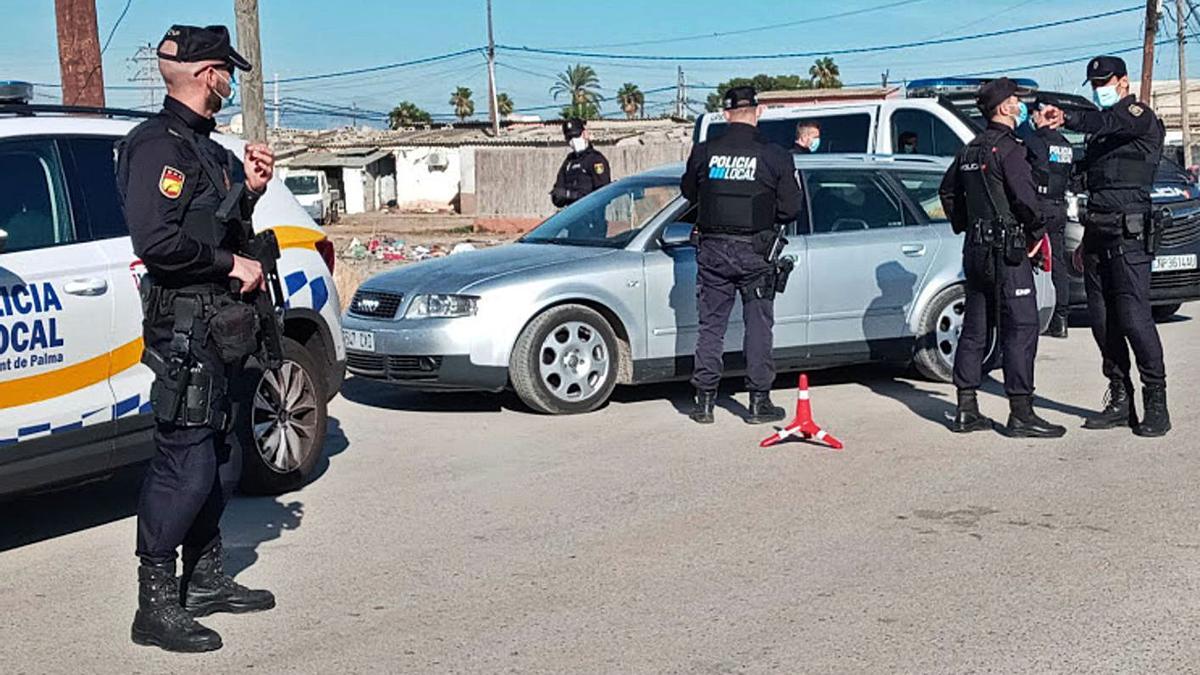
(802, 425)
(16, 92)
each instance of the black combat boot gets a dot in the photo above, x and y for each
(1057, 327)
(762, 410)
(160, 621)
(1118, 408)
(1024, 423)
(205, 588)
(1156, 421)
(967, 417)
(702, 406)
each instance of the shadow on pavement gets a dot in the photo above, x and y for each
(390, 397)
(247, 523)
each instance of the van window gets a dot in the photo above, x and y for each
(849, 201)
(839, 133)
(933, 136)
(33, 205)
(94, 183)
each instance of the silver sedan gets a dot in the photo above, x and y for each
(604, 292)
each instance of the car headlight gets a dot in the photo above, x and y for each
(440, 306)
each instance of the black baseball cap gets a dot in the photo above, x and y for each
(1104, 68)
(210, 43)
(573, 128)
(739, 97)
(994, 92)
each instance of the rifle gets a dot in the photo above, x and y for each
(269, 304)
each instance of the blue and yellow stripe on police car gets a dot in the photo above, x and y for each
(44, 386)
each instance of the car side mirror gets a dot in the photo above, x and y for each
(676, 234)
(3, 239)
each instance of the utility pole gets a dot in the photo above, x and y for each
(680, 94)
(1184, 120)
(275, 116)
(145, 61)
(254, 115)
(884, 77)
(493, 105)
(1152, 7)
(79, 62)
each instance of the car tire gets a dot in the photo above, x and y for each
(565, 361)
(278, 458)
(1163, 312)
(941, 323)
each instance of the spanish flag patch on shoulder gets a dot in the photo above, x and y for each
(170, 184)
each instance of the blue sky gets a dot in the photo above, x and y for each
(305, 37)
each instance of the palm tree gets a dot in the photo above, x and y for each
(407, 114)
(580, 84)
(631, 99)
(504, 104)
(464, 107)
(824, 74)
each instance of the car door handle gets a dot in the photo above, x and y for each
(86, 286)
(914, 250)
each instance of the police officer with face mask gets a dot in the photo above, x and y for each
(583, 171)
(1124, 144)
(186, 199)
(746, 188)
(1051, 156)
(989, 195)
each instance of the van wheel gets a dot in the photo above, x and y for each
(565, 361)
(941, 325)
(1163, 312)
(279, 421)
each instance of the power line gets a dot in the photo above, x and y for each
(754, 29)
(830, 52)
(375, 69)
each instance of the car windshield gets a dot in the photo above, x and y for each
(609, 217)
(302, 185)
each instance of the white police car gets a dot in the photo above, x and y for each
(74, 397)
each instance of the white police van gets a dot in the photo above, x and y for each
(74, 397)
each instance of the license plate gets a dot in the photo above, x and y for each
(1171, 263)
(359, 340)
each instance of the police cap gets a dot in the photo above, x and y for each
(739, 97)
(573, 128)
(994, 92)
(1103, 68)
(210, 43)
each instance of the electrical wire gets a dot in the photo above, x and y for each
(822, 53)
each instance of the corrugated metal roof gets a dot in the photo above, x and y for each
(315, 158)
(603, 132)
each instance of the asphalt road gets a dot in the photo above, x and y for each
(452, 533)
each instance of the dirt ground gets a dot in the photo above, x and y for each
(399, 239)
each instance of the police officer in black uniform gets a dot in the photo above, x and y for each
(1124, 144)
(1051, 156)
(745, 187)
(583, 171)
(174, 180)
(988, 194)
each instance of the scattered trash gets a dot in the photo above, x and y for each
(462, 247)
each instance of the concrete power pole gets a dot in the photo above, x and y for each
(254, 114)
(1152, 7)
(79, 52)
(493, 105)
(1184, 120)
(680, 95)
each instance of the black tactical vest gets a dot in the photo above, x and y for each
(1052, 179)
(1117, 164)
(737, 194)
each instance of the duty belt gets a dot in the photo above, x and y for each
(744, 238)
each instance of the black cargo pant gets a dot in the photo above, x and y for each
(182, 498)
(726, 267)
(1019, 328)
(1056, 227)
(1117, 281)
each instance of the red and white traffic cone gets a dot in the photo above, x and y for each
(803, 424)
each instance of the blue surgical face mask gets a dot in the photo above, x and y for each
(814, 144)
(1022, 113)
(1105, 97)
(228, 99)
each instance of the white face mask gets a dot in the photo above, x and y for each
(578, 144)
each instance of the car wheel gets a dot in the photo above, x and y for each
(565, 361)
(279, 421)
(941, 325)
(1164, 312)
